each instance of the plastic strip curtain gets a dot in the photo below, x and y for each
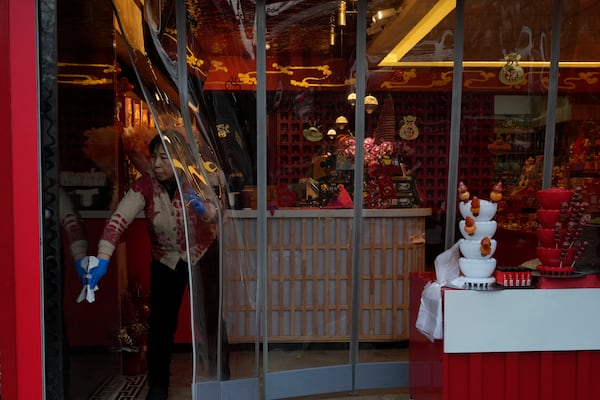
(202, 134)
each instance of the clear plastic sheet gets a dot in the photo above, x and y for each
(193, 125)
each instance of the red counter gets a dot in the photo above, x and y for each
(437, 373)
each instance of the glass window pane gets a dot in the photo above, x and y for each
(310, 54)
(575, 164)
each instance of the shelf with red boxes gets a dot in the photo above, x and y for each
(432, 110)
(294, 151)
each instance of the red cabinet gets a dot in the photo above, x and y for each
(522, 375)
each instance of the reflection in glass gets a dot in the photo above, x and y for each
(205, 139)
(575, 162)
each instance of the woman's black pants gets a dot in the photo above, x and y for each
(167, 287)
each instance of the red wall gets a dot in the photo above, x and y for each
(20, 284)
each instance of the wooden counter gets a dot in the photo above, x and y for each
(309, 273)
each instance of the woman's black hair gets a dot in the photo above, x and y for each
(169, 134)
(154, 143)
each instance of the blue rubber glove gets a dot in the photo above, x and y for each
(96, 273)
(80, 270)
(192, 199)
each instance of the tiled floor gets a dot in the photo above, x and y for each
(89, 371)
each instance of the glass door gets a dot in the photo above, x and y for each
(308, 276)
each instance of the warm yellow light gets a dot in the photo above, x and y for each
(352, 99)
(332, 35)
(387, 13)
(342, 13)
(497, 64)
(437, 13)
(371, 104)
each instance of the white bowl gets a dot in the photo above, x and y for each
(487, 210)
(472, 248)
(482, 229)
(477, 268)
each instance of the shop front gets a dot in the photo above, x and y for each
(336, 141)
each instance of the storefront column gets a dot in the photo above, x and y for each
(20, 284)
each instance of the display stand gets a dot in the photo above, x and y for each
(507, 344)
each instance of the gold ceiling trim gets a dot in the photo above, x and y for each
(246, 78)
(306, 82)
(440, 10)
(485, 77)
(77, 73)
(249, 77)
(83, 80)
(287, 69)
(434, 16)
(491, 77)
(218, 66)
(194, 62)
(496, 64)
(107, 68)
(589, 78)
(444, 79)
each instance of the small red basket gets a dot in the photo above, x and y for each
(555, 271)
(513, 276)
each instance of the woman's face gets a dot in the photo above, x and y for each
(160, 164)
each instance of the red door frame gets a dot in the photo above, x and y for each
(21, 358)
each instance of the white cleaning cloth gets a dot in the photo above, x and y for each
(88, 263)
(430, 318)
(446, 265)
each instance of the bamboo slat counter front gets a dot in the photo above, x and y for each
(309, 272)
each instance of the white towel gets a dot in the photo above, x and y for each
(430, 318)
(446, 265)
(88, 263)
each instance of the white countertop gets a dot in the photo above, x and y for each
(512, 320)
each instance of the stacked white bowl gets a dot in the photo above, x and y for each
(477, 246)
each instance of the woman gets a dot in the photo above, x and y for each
(157, 194)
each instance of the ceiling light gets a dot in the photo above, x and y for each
(371, 104)
(332, 31)
(437, 13)
(341, 122)
(384, 14)
(332, 36)
(352, 99)
(342, 13)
